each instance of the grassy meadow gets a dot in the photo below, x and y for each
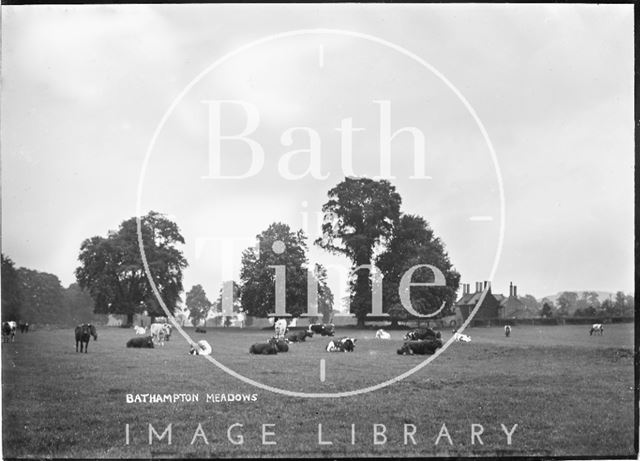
(570, 394)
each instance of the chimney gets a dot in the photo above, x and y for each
(485, 284)
(478, 284)
(510, 289)
(515, 291)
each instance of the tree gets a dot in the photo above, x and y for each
(620, 303)
(236, 305)
(547, 310)
(112, 271)
(567, 303)
(43, 298)
(79, 304)
(11, 292)
(360, 214)
(531, 303)
(414, 243)
(325, 296)
(279, 246)
(631, 306)
(198, 304)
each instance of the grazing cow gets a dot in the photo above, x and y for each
(263, 348)
(83, 334)
(200, 330)
(298, 336)
(160, 332)
(280, 328)
(462, 338)
(507, 330)
(145, 342)
(426, 347)
(139, 330)
(596, 328)
(281, 344)
(422, 333)
(8, 331)
(202, 348)
(24, 327)
(342, 345)
(381, 334)
(324, 329)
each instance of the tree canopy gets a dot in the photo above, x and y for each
(11, 292)
(112, 271)
(198, 304)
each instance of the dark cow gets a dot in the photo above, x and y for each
(507, 331)
(342, 345)
(141, 342)
(422, 333)
(263, 348)
(298, 336)
(8, 331)
(426, 347)
(24, 327)
(281, 344)
(324, 329)
(83, 334)
(200, 330)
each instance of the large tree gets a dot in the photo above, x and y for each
(43, 298)
(11, 292)
(79, 304)
(112, 270)
(360, 214)
(278, 246)
(198, 304)
(414, 243)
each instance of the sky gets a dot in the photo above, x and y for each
(509, 128)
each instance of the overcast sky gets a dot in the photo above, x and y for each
(86, 87)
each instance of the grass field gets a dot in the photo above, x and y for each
(569, 394)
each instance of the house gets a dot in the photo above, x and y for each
(490, 308)
(511, 306)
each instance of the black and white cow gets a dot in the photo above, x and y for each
(342, 345)
(9, 331)
(202, 348)
(323, 329)
(596, 328)
(24, 327)
(422, 333)
(426, 347)
(141, 342)
(281, 344)
(263, 349)
(507, 331)
(298, 336)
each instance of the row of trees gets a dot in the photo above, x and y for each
(32, 296)
(587, 304)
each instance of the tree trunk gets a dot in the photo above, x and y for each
(130, 320)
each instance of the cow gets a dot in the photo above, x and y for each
(159, 332)
(280, 327)
(421, 333)
(8, 331)
(138, 342)
(507, 330)
(139, 330)
(298, 336)
(425, 347)
(596, 328)
(461, 337)
(200, 330)
(83, 335)
(24, 327)
(324, 329)
(342, 345)
(381, 334)
(202, 348)
(281, 344)
(263, 349)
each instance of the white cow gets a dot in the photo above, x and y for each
(381, 334)
(140, 330)
(596, 328)
(159, 332)
(462, 337)
(202, 348)
(280, 328)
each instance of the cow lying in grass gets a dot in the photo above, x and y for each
(381, 334)
(342, 345)
(263, 348)
(298, 336)
(462, 338)
(281, 344)
(421, 333)
(200, 330)
(202, 348)
(426, 347)
(324, 329)
(144, 342)
(139, 330)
